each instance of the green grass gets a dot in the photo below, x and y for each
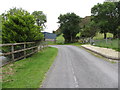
(29, 72)
(101, 36)
(109, 44)
(51, 43)
(113, 44)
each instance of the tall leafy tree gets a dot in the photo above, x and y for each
(58, 32)
(69, 25)
(0, 29)
(89, 30)
(118, 20)
(84, 21)
(105, 15)
(40, 18)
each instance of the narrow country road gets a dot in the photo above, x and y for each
(76, 68)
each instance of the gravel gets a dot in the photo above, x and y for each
(107, 52)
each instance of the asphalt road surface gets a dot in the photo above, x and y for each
(76, 68)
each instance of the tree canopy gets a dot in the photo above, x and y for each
(69, 25)
(40, 18)
(89, 30)
(106, 16)
(19, 26)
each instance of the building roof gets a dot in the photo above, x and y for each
(49, 35)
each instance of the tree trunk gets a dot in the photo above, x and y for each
(119, 36)
(105, 35)
(115, 35)
(66, 41)
(71, 39)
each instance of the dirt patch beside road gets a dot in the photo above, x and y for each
(106, 52)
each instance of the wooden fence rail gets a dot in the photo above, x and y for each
(34, 49)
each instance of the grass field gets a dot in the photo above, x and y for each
(114, 44)
(29, 72)
(100, 36)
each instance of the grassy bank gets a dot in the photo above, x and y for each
(109, 44)
(29, 72)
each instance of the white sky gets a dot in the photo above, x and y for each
(52, 8)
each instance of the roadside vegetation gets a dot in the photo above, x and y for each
(18, 26)
(109, 43)
(99, 41)
(103, 25)
(29, 72)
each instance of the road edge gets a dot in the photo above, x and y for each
(108, 57)
(49, 72)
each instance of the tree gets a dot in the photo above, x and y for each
(19, 26)
(85, 21)
(13, 11)
(118, 20)
(0, 29)
(54, 32)
(40, 18)
(58, 32)
(89, 30)
(69, 25)
(105, 15)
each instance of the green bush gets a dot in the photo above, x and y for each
(20, 27)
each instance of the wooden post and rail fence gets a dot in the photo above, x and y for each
(34, 48)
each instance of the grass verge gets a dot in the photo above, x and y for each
(29, 72)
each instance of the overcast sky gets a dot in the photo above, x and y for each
(52, 8)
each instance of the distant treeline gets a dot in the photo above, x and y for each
(105, 18)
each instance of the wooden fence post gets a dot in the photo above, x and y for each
(40, 47)
(12, 49)
(43, 45)
(24, 50)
